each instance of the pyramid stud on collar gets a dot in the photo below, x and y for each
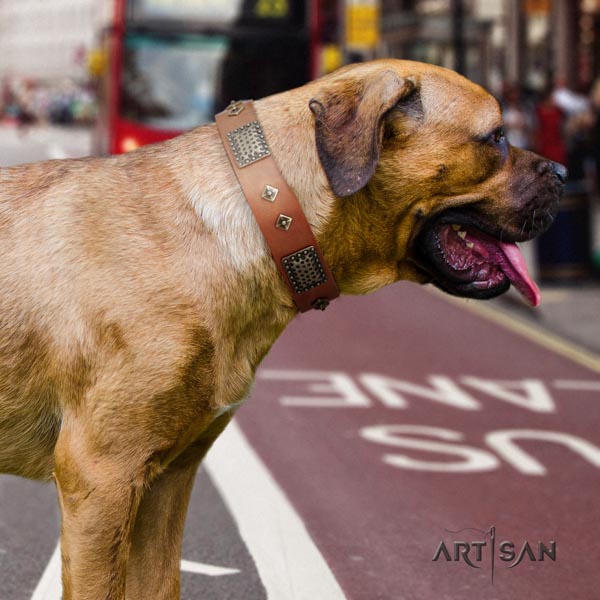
(235, 108)
(269, 193)
(284, 222)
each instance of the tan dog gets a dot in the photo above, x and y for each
(137, 296)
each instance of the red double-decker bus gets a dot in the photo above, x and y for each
(172, 64)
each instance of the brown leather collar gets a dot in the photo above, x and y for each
(276, 209)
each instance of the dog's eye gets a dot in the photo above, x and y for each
(499, 137)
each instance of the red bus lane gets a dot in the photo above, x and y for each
(429, 450)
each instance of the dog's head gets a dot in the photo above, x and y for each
(427, 186)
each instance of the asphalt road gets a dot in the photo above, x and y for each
(384, 433)
(399, 418)
(218, 565)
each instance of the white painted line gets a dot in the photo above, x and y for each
(203, 569)
(49, 586)
(288, 561)
(574, 384)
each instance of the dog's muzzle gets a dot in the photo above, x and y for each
(466, 261)
(471, 251)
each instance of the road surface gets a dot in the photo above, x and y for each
(383, 425)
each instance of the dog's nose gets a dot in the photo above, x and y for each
(555, 168)
(560, 171)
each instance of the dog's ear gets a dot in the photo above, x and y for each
(349, 125)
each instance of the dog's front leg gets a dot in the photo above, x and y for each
(99, 494)
(153, 565)
(153, 569)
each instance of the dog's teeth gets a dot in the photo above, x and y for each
(470, 245)
(461, 234)
(456, 227)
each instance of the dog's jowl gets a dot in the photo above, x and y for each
(139, 293)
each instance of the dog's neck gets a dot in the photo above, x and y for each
(290, 133)
(292, 243)
(239, 280)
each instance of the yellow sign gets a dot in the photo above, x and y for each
(97, 61)
(272, 9)
(331, 58)
(362, 25)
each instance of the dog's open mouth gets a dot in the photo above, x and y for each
(465, 261)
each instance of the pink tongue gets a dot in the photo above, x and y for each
(509, 259)
(516, 270)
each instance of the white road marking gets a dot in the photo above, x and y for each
(203, 569)
(584, 386)
(49, 586)
(288, 562)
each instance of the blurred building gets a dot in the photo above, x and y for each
(529, 41)
(534, 43)
(542, 58)
(42, 39)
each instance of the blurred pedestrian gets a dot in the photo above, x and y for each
(571, 102)
(25, 115)
(550, 140)
(518, 121)
(575, 105)
(595, 129)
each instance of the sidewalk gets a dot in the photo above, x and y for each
(570, 312)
